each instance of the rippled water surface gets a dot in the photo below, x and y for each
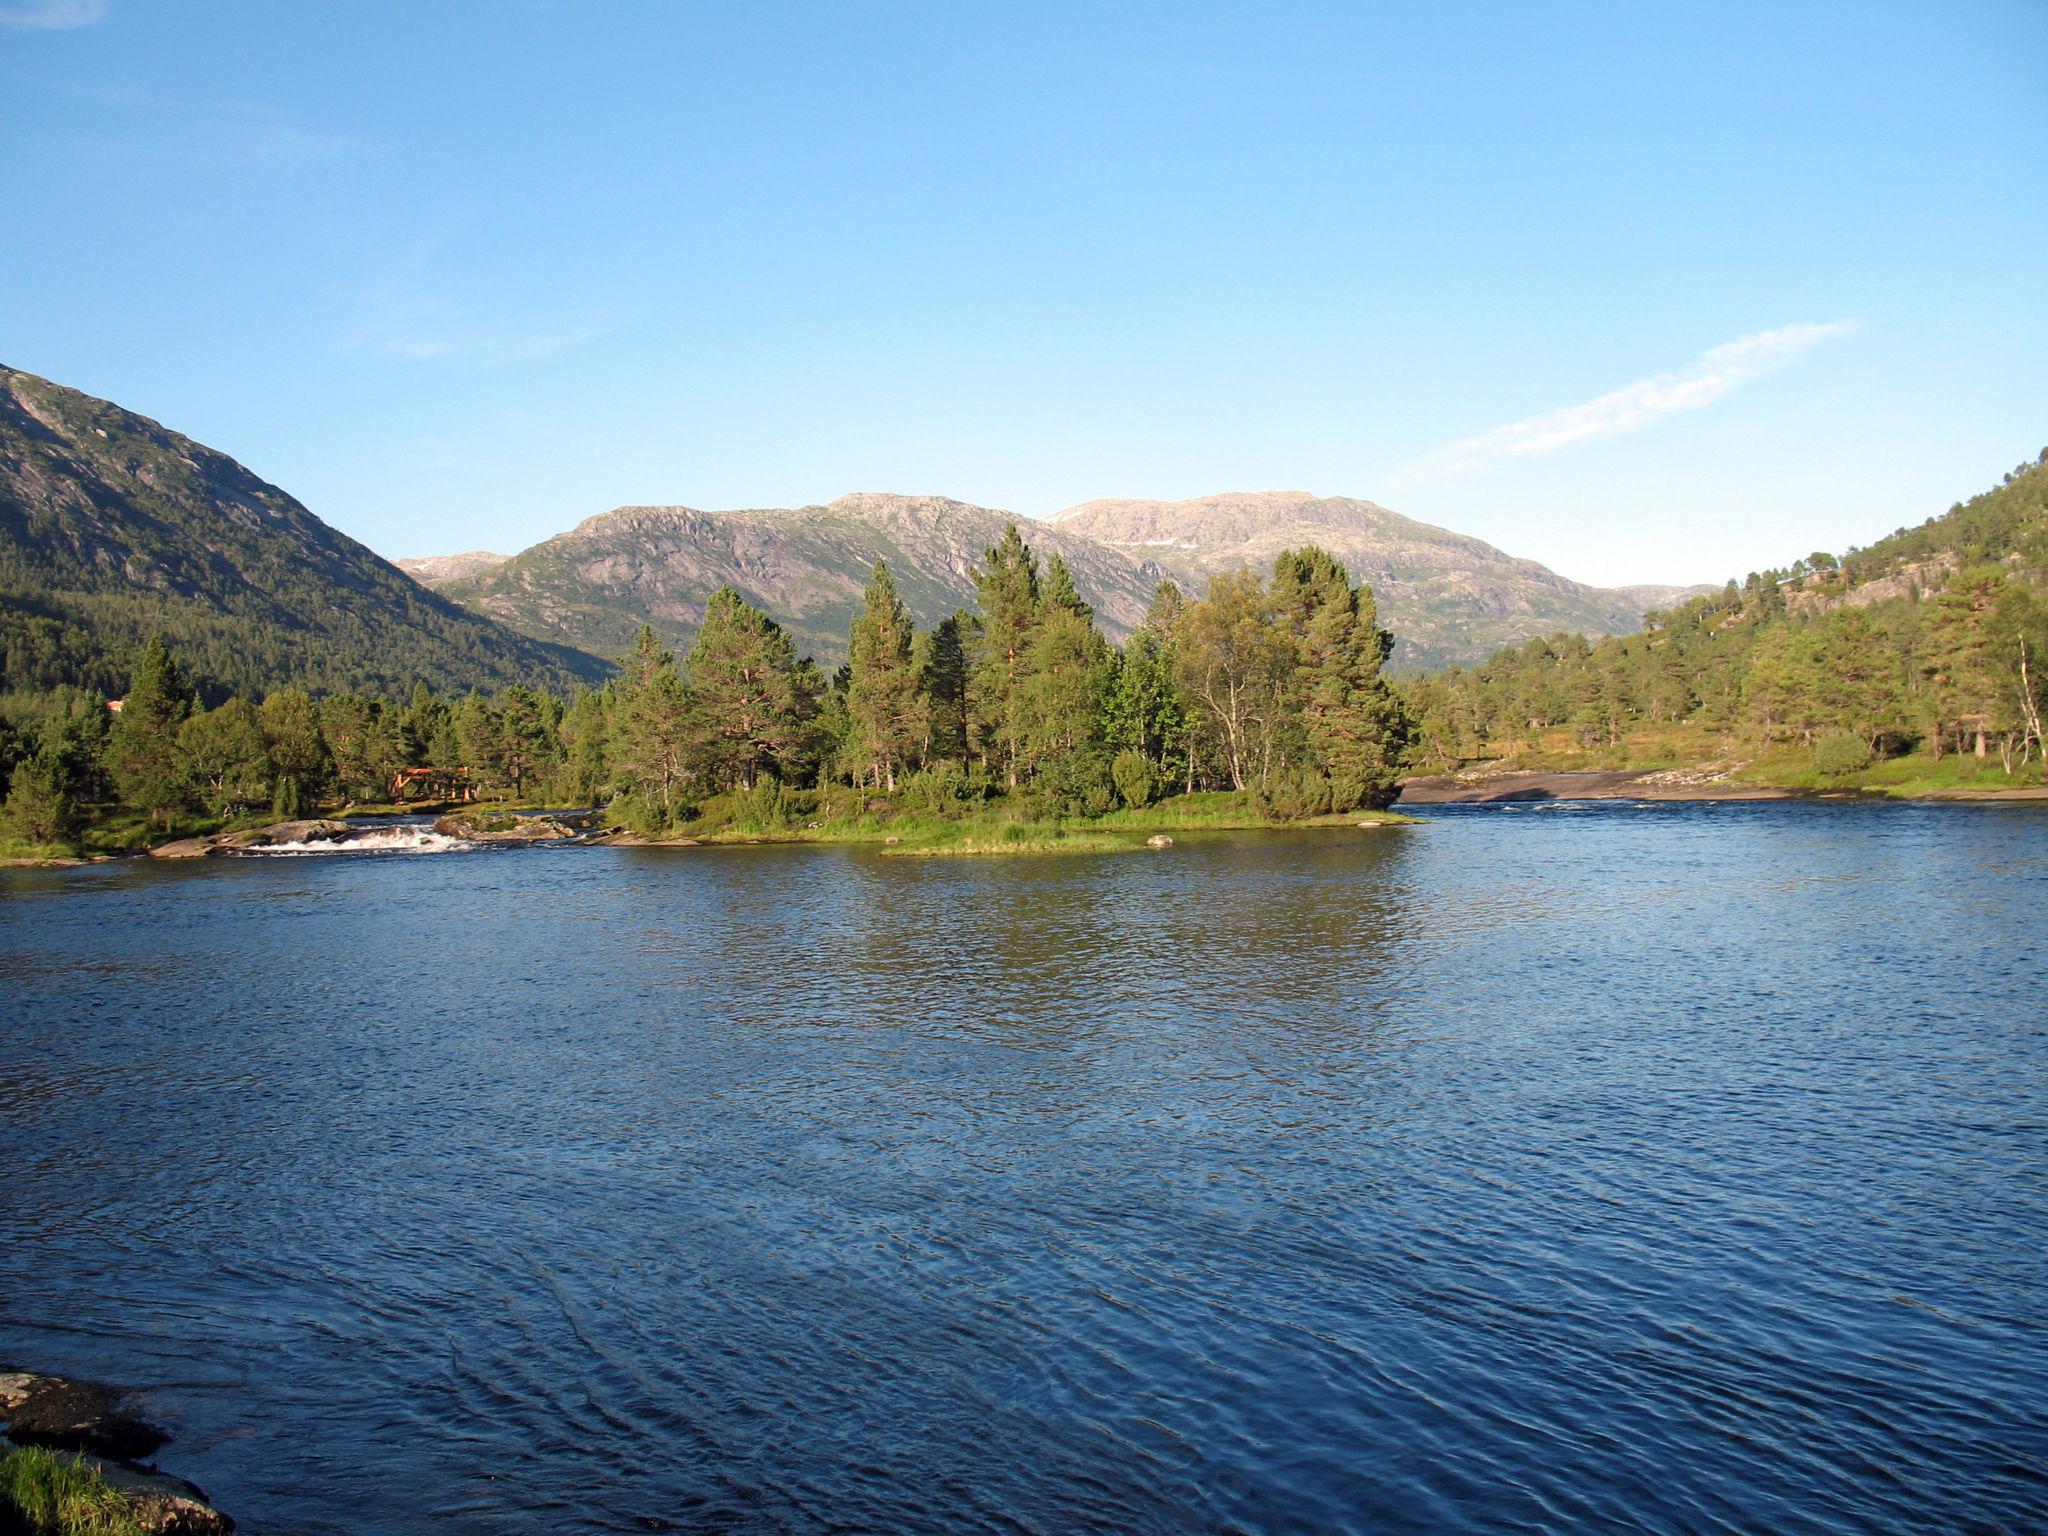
(1550, 1168)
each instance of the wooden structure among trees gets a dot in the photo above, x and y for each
(410, 784)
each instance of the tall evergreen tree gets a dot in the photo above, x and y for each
(888, 712)
(1357, 727)
(143, 751)
(586, 760)
(651, 727)
(526, 737)
(940, 656)
(1007, 590)
(755, 704)
(41, 805)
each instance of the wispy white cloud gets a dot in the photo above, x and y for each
(406, 312)
(52, 15)
(1710, 376)
(424, 338)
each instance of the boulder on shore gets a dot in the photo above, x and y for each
(89, 1420)
(515, 827)
(254, 837)
(74, 1416)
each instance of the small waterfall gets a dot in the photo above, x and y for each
(406, 839)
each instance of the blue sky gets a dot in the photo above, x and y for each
(1646, 292)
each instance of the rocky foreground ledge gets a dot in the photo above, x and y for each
(92, 1422)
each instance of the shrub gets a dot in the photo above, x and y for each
(1075, 783)
(1135, 781)
(646, 815)
(1293, 795)
(935, 790)
(763, 806)
(1839, 753)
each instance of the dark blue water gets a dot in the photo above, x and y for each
(1676, 1169)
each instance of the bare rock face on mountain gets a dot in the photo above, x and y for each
(592, 587)
(439, 570)
(1447, 598)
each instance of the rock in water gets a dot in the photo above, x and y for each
(1158, 840)
(74, 1416)
(162, 1504)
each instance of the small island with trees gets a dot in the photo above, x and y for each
(1016, 728)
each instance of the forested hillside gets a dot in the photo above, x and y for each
(114, 529)
(1931, 641)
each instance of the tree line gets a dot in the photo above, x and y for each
(1951, 655)
(1268, 685)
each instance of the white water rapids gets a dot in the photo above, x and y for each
(369, 840)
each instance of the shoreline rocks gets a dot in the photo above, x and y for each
(91, 1421)
(519, 826)
(214, 843)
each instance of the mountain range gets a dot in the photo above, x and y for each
(1447, 598)
(114, 527)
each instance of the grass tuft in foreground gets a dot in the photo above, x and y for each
(44, 1493)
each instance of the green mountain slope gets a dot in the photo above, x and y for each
(113, 528)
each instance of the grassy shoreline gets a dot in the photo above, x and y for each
(994, 829)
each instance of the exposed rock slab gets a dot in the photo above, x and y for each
(1449, 789)
(75, 1416)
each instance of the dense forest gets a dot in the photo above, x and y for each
(1932, 641)
(1271, 687)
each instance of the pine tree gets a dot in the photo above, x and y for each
(526, 737)
(1062, 696)
(143, 750)
(479, 738)
(755, 705)
(940, 656)
(889, 715)
(1007, 590)
(40, 807)
(650, 734)
(1057, 594)
(1147, 712)
(1355, 725)
(1962, 660)
(586, 767)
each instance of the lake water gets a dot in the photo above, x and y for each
(1544, 1168)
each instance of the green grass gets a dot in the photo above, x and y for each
(43, 1493)
(14, 850)
(985, 828)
